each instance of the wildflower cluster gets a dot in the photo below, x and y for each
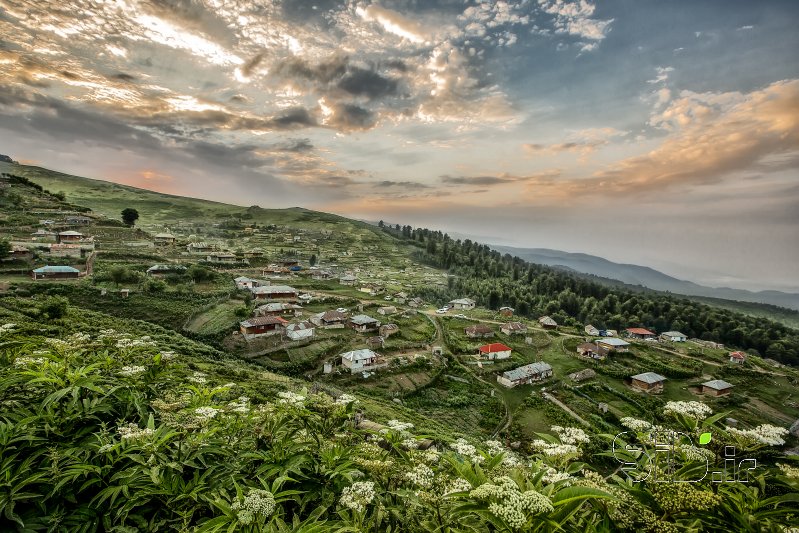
(458, 485)
(570, 435)
(553, 449)
(421, 475)
(346, 399)
(552, 475)
(167, 355)
(680, 497)
(24, 361)
(507, 502)
(198, 377)
(763, 434)
(241, 406)
(396, 425)
(468, 451)
(7, 328)
(257, 503)
(131, 370)
(127, 343)
(788, 470)
(291, 398)
(206, 413)
(358, 495)
(635, 424)
(131, 431)
(695, 410)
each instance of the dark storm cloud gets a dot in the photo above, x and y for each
(349, 117)
(363, 82)
(121, 76)
(293, 118)
(323, 72)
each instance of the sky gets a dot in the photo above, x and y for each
(658, 133)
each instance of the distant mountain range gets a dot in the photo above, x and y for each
(645, 276)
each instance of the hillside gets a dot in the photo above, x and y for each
(646, 277)
(169, 381)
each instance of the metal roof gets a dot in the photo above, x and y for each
(263, 321)
(649, 377)
(526, 371)
(612, 341)
(358, 355)
(51, 269)
(717, 384)
(494, 347)
(274, 289)
(363, 319)
(673, 334)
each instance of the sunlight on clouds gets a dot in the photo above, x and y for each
(166, 33)
(392, 22)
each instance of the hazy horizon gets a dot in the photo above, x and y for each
(666, 135)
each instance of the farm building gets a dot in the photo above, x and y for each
(221, 257)
(493, 351)
(513, 328)
(199, 248)
(300, 330)
(649, 382)
(640, 333)
(70, 236)
(275, 271)
(262, 325)
(387, 330)
(478, 331)
(322, 274)
(591, 330)
(547, 322)
(673, 336)
(612, 343)
(164, 239)
(279, 308)
(716, 387)
(506, 311)
(525, 374)
(364, 323)
(44, 235)
(347, 279)
(55, 272)
(589, 349)
(387, 310)
(737, 357)
(330, 319)
(164, 269)
(275, 292)
(77, 220)
(253, 253)
(243, 282)
(360, 360)
(463, 303)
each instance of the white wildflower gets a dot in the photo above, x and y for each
(788, 470)
(552, 475)
(494, 447)
(105, 448)
(358, 495)
(554, 449)
(198, 377)
(421, 475)
(467, 450)
(763, 434)
(257, 503)
(346, 399)
(241, 406)
(695, 454)
(396, 425)
(168, 356)
(25, 361)
(410, 443)
(458, 485)
(291, 398)
(7, 328)
(509, 503)
(691, 409)
(132, 431)
(636, 424)
(206, 413)
(570, 435)
(131, 370)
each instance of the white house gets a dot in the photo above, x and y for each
(364, 323)
(673, 336)
(525, 374)
(463, 303)
(300, 330)
(494, 351)
(591, 330)
(358, 360)
(243, 282)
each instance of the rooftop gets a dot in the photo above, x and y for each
(639, 331)
(359, 355)
(56, 268)
(263, 321)
(613, 341)
(526, 371)
(494, 347)
(717, 384)
(649, 377)
(363, 319)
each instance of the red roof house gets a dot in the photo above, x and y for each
(495, 350)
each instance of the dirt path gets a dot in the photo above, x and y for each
(565, 408)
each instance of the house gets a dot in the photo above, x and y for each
(360, 360)
(737, 357)
(387, 330)
(364, 323)
(322, 275)
(330, 319)
(44, 235)
(493, 351)
(55, 272)
(279, 308)
(275, 271)
(506, 311)
(478, 331)
(640, 333)
(164, 239)
(275, 292)
(387, 310)
(253, 253)
(525, 374)
(288, 263)
(716, 387)
(77, 220)
(262, 325)
(221, 257)
(375, 342)
(648, 382)
(243, 282)
(612, 343)
(513, 328)
(592, 331)
(300, 330)
(347, 279)
(65, 250)
(199, 248)
(608, 333)
(547, 322)
(19, 252)
(589, 349)
(582, 375)
(416, 302)
(673, 336)
(163, 270)
(462, 303)
(70, 236)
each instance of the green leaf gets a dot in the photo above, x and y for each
(704, 438)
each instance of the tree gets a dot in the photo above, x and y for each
(312, 260)
(119, 274)
(130, 216)
(381, 224)
(5, 249)
(54, 307)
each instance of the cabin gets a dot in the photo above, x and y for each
(462, 303)
(19, 252)
(506, 312)
(648, 382)
(70, 236)
(478, 331)
(221, 257)
(164, 239)
(77, 220)
(589, 349)
(288, 263)
(243, 282)
(347, 279)
(612, 343)
(300, 330)
(673, 336)
(640, 333)
(375, 342)
(547, 322)
(275, 292)
(716, 387)
(199, 248)
(359, 360)
(253, 253)
(387, 310)
(330, 320)
(275, 271)
(387, 330)
(513, 328)
(364, 323)
(55, 272)
(262, 326)
(278, 309)
(322, 275)
(164, 269)
(525, 374)
(494, 351)
(737, 357)
(591, 331)
(44, 235)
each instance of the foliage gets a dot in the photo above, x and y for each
(130, 216)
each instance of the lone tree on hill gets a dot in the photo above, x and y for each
(312, 260)
(5, 249)
(130, 216)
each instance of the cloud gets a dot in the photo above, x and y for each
(573, 17)
(363, 82)
(662, 74)
(393, 22)
(583, 142)
(402, 184)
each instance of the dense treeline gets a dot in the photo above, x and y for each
(494, 280)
